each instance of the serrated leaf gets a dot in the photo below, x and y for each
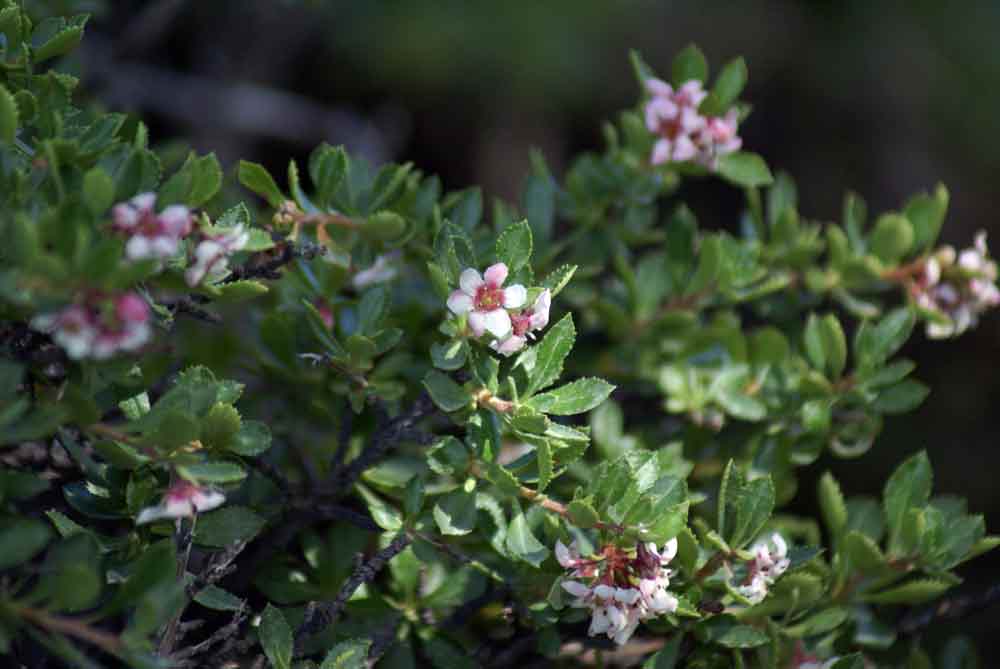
(544, 452)
(909, 487)
(98, 186)
(276, 638)
(913, 592)
(253, 438)
(558, 278)
(543, 363)
(582, 514)
(832, 506)
(834, 345)
(240, 291)
(214, 472)
(573, 398)
(8, 116)
(514, 246)
(59, 44)
(729, 83)
(455, 513)
(864, 553)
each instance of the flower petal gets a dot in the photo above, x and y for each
(496, 274)
(515, 296)
(470, 281)
(508, 346)
(497, 322)
(459, 302)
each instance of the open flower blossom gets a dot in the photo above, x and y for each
(956, 288)
(182, 500)
(150, 234)
(211, 256)
(484, 299)
(765, 568)
(622, 588)
(685, 134)
(523, 323)
(98, 326)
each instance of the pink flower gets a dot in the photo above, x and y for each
(98, 326)
(485, 300)
(524, 323)
(674, 117)
(765, 568)
(380, 271)
(719, 138)
(182, 500)
(211, 256)
(150, 235)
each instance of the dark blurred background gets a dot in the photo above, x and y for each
(884, 98)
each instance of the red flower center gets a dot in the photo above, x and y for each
(488, 297)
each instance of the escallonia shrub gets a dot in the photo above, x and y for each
(344, 417)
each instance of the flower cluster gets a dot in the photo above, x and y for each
(684, 133)
(956, 288)
(150, 234)
(182, 500)
(622, 588)
(500, 311)
(98, 326)
(211, 255)
(765, 568)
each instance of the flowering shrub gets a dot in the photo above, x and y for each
(295, 426)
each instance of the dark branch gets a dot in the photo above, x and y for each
(948, 608)
(320, 615)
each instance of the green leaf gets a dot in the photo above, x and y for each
(709, 264)
(913, 592)
(834, 345)
(689, 64)
(59, 44)
(558, 278)
(573, 398)
(214, 472)
(544, 363)
(832, 505)
(864, 554)
(259, 180)
(926, 214)
(639, 67)
(727, 88)
(372, 309)
(276, 638)
(745, 169)
(666, 657)
(909, 487)
(892, 238)
(241, 291)
(385, 515)
(905, 396)
(206, 179)
(327, 167)
(582, 514)
(513, 246)
(450, 355)
(873, 344)
(253, 438)
(98, 188)
(217, 599)
(446, 394)
(226, 526)
(350, 654)
(21, 540)
(544, 451)
(455, 513)
(522, 544)
(726, 631)
(8, 116)
(744, 506)
(822, 622)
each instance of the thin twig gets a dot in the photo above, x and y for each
(948, 608)
(75, 628)
(319, 616)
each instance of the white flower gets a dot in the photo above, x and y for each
(956, 288)
(766, 567)
(486, 301)
(211, 256)
(524, 323)
(182, 500)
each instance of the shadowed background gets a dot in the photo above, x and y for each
(882, 98)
